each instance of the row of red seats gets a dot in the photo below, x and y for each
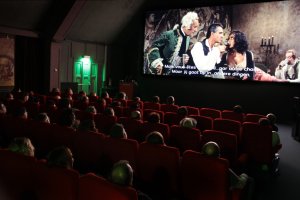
(91, 149)
(24, 177)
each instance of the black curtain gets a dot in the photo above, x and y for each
(32, 64)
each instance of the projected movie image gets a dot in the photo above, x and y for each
(223, 42)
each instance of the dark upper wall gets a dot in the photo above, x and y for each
(259, 97)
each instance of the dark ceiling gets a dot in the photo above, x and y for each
(83, 20)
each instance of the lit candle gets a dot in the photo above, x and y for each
(269, 40)
(272, 40)
(265, 41)
(262, 41)
(277, 48)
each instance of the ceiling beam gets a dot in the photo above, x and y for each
(66, 24)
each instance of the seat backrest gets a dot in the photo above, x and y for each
(203, 122)
(252, 117)
(172, 118)
(148, 127)
(169, 108)
(116, 149)
(56, 183)
(158, 167)
(229, 114)
(151, 105)
(192, 110)
(229, 126)
(83, 115)
(257, 142)
(227, 143)
(88, 151)
(104, 123)
(185, 138)
(146, 113)
(204, 177)
(132, 127)
(210, 112)
(16, 172)
(93, 187)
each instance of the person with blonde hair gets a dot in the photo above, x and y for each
(169, 48)
(22, 145)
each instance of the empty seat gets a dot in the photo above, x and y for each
(252, 117)
(210, 112)
(229, 126)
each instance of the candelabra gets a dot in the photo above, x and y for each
(269, 47)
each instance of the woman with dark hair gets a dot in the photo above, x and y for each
(238, 61)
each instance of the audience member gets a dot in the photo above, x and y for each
(154, 117)
(122, 174)
(43, 117)
(155, 137)
(272, 118)
(118, 131)
(238, 109)
(182, 111)
(170, 100)
(67, 118)
(2, 108)
(22, 145)
(109, 111)
(275, 134)
(20, 112)
(188, 122)
(60, 157)
(91, 109)
(87, 125)
(136, 115)
(155, 99)
(243, 181)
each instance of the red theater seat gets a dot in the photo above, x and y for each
(93, 187)
(229, 126)
(210, 112)
(229, 114)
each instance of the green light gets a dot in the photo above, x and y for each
(103, 73)
(86, 62)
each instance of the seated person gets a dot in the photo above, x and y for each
(91, 109)
(182, 111)
(122, 174)
(170, 100)
(109, 111)
(154, 117)
(68, 119)
(3, 109)
(20, 112)
(22, 145)
(60, 157)
(118, 131)
(155, 137)
(87, 125)
(272, 117)
(188, 122)
(275, 134)
(242, 181)
(238, 109)
(43, 117)
(136, 115)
